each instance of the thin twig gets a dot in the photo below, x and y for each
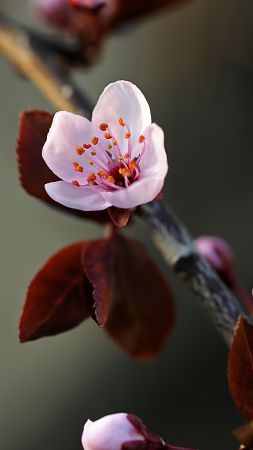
(33, 57)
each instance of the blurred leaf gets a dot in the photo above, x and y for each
(132, 299)
(132, 9)
(244, 434)
(59, 296)
(240, 368)
(34, 173)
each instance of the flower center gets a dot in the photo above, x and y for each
(104, 164)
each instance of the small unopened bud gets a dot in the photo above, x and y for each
(221, 257)
(56, 13)
(109, 433)
(121, 432)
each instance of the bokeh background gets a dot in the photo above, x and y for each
(195, 66)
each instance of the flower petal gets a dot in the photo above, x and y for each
(123, 99)
(86, 198)
(154, 159)
(68, 131)
(140, 192)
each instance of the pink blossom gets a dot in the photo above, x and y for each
(122, 432)
(118, 159)
(55, 12)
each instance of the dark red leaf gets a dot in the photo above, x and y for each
(97, 260)
(244, 434)
(132, 298)
(240, 368)
(59, 296)
(34, 173)
(120, 217)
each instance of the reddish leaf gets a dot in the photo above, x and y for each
(97, 262)
(244, 435)
(132, 298)
(34, 173)
(59, 296)
(120, 217)
(240, 368)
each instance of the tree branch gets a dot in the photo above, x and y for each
(39, 62)
(177, 247)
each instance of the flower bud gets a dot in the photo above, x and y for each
(110, 432)
(121, 432)
(220, 256)
(56, 13)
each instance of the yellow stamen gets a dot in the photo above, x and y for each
(111, 179)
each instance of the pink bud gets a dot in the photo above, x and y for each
(56, 13)
(220, 256)
(121, 432)
(109, 433)
(88, 4)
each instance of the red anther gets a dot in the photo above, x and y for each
(91, 178)
(94, 140)
(80, 151)
(103, 126)
(75, 183)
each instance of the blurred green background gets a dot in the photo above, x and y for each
(195, 66)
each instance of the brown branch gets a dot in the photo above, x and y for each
(177, 247)
(41, 63)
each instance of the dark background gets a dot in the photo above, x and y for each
(195, 67)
